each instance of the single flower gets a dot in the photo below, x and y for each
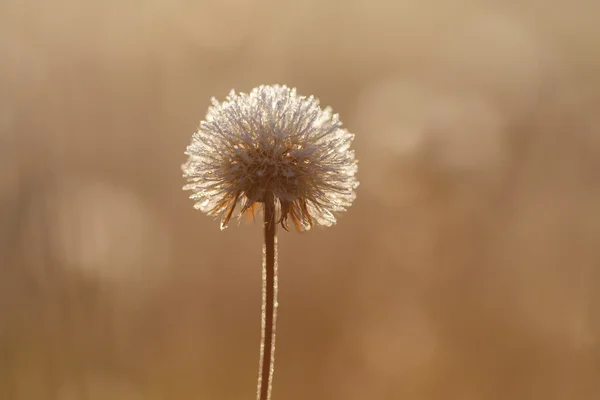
(281, 150)
(272, 142)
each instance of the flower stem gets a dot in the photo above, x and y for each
(269, 302)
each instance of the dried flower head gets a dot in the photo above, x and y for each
(272, 142)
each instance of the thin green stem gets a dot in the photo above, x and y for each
(269, 302)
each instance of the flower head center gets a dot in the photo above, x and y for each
(274, 170)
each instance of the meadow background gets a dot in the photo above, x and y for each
(468, 267)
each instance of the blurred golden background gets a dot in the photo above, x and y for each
(467, 269)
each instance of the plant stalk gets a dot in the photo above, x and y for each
(269, 301)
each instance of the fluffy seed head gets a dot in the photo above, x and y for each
(272, 142)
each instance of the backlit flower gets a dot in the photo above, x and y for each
(272, 142)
